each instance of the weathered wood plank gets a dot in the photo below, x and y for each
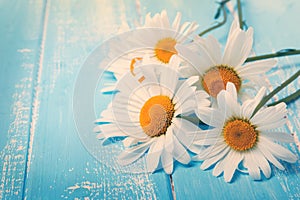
(44, 48)
(20, 28)
(274, 29)
(60, 166)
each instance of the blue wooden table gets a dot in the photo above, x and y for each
(43, 45)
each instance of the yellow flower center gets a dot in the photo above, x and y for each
(216, 78)
(240, 135)
(132, 64)
(156, 115)
(165, 49)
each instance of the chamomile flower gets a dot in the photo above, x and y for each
(240, 139)
(147, 112)
(158, 39)
(163, 44)
(216, 70)
(124, 64)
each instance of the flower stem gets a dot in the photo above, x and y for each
(219, 24)
(240, 13)
(269, 96)
(288, 52)
(287, 99)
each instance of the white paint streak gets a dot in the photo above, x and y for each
(12, 156)
(37, 89)
(110, 184)
(24, 50)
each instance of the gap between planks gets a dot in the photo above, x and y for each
(34, 110)
(172, 187)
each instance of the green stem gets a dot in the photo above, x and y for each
(219, 24)
(269, 96)
(273, 55)
(287, 99)
(240, 13)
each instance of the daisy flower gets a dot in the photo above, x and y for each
(163, 45)
(216, 70)
(158, 38)
(147, 112)
(124, 64)
(241, 139)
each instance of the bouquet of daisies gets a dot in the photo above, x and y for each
(183, 99)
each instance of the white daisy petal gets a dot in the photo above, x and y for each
(132, 154)
(181, 126)
(209, 162)
(219, 168)
(256, 68)
(108, 128)
(186, 107)
(234, 26)
(153, 155)
(269, 117)
(223, 145)
(167, 162)
(272, 125)
(148, 73)
(175, 62)
(251, 164)
(238, 47)
(106, 116)
(279, 151)
(199, 63)
(187, 32)
(183, 27)
(129, 83)
(202, 99)
(231, 166)
(129, 141)
(211, 116)
(169, 144)
(110, 135)
(148, 20)
(168, 81)
(165, 19)
(154, 90)
(201, 94)
(278, 136)
(157, 28)
(182, 95)
(230, 88)
(262, 163)
(108, 89)
(249, 106)
(227, 103)
(268, 155)
(176, 22)
(179, 152)
(212, 46)
(106, 136)
(205, 134)
(184, 92)
(214, 150)
(187, 71)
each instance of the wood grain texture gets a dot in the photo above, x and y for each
(59, 166)
(19, 50)
(43, 47)
(273, 31)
